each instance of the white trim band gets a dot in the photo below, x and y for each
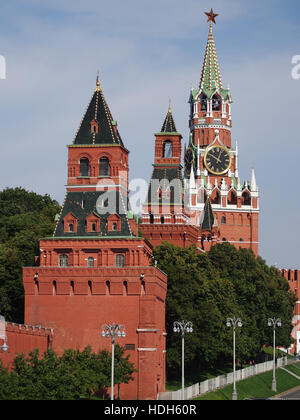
(146, 349)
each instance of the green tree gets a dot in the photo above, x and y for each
(206, 289)
(74, 375)
(25, 217)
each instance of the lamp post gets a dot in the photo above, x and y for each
(111, 331)
(234, 322)
(274, 322)
(182, 327)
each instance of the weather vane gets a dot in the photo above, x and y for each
(211, 16)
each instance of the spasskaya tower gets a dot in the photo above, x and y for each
(211, 185)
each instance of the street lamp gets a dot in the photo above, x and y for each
(183, 327)
(234, 322)
(274, 322)
(112, 331)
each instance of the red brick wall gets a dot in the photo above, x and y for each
(24, 339)
(77, 310)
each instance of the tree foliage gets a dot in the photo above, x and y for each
(25, 217)
(208, 288)
(72, 376)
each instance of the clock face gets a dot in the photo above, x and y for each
(188, 161)
(217, 160)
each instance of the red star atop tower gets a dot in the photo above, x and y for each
(211, 16)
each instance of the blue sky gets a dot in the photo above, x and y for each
(148, 52)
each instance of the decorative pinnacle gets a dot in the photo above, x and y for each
(97, 82)
(169, 106)
(211, 16)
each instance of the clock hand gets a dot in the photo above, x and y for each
(217, 159)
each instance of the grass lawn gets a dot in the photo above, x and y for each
(258, 386)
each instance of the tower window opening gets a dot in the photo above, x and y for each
(104, 167)
(93, 227)
(71, 227)
(120, 260)
(246, 199)
(167, 149)
(151, 219)
(203, 102)
(84, 167)
(91, 262)
(223, 220)
(216, 103)
(63, 260)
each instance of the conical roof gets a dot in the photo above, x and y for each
(169, 123)
(208, 216)
(211, 80)
(98, 125)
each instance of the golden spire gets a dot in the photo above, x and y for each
(169, 106)
(97, 82)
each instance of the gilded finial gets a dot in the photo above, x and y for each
(169, 105)
(97, 82)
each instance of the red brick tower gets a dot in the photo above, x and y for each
(211, 163)
(96, 269)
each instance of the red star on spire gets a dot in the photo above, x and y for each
(211, 16)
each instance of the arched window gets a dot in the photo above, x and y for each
(223, 220)
(167, 149)
(224, 240)
(90, 290)
(91, 262)
(162, 220)
(104, 166)
(216, 103)
(232, 197)
(63, 260)
(71, 227)
(54, 287)
(246, 199)
(125, 288)
(120, 260)
(215, 197)
(203, 102)
(84, 167)
(71, 288)
(151, 218)
(107, 284)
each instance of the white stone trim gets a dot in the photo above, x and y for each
(146, 349)
(146, 330)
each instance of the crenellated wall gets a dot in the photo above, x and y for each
(23, 339)
(77, 301)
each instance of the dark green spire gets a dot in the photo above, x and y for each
(98, 125)
(208, 217)
(169, 123)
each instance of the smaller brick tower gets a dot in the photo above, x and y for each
(96, 269)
